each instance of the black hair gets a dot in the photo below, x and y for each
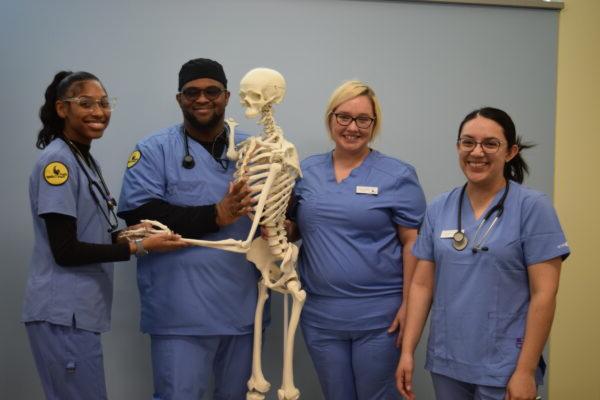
(52, 123)
(516, 168)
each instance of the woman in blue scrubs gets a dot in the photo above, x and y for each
(489, 263)
(358, 211)
(69, 290)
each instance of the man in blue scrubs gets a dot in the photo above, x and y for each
(197, 304)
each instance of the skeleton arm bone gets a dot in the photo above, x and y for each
(274, 169)
(232, 153)
(238, 246)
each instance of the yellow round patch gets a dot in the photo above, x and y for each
(56, 173)
(133, 158)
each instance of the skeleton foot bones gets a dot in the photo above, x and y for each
(268, 164)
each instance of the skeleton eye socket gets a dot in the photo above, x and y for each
(254, 96)
(250, 95)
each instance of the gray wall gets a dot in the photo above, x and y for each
(429, 63)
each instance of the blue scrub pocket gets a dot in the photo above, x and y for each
(469, 337)
(437, 332)
(93, 290)
(509, 332)
(79, 380)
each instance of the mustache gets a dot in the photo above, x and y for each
(202, 126)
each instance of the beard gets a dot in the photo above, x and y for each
(202, 126)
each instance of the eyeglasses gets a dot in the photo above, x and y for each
(211, 93)
(488, 146)
(363, 122)
(88, 103)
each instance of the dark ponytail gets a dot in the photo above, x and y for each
(516, 168)
(52, 124)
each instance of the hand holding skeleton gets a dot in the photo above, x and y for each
(236, 203)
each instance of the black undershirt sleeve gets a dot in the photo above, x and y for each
(191, 222)
(68, 251)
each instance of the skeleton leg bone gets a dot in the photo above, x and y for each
(288, 391)
(258, 386)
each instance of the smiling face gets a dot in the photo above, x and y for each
(201, 112)
(83, 124)
(479, 167)
(352, 139)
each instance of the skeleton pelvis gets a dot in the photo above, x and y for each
(261, 256)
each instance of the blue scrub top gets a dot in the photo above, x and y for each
(197, 290)
(60, 294)
(480, 302)
(351, 258)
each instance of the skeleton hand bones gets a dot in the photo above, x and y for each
(155, 236)
(145, 228)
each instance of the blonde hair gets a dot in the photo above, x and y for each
(348, 91)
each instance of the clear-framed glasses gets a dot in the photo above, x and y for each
(211, 93)
(488, 146)
(88, 103)
(362, 121)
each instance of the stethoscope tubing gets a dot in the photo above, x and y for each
(459, 239)
(188, 161)
(93, 186)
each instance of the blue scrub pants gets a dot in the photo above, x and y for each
(451, 389)
(69, 361)
(358, 365)
(182, 366)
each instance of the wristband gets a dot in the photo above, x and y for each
(140, 251)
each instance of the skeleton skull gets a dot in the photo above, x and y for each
(261, 87)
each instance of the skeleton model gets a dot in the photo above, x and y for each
(270, 166)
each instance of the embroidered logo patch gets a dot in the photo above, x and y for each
(56, 173)
(133, 158)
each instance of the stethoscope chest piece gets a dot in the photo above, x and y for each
(459, 241)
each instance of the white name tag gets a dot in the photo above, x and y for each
(374, 190)
(448, 233)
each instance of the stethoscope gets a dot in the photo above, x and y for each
(459, 239)
(110, 216)
(188, 161)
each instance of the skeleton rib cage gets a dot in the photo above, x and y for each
(255, 159)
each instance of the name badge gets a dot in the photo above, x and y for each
(374, 190)
(448, 233)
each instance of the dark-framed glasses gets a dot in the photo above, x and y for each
(88, 103)
(211, 93)
(362, 121)
(488, 146)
